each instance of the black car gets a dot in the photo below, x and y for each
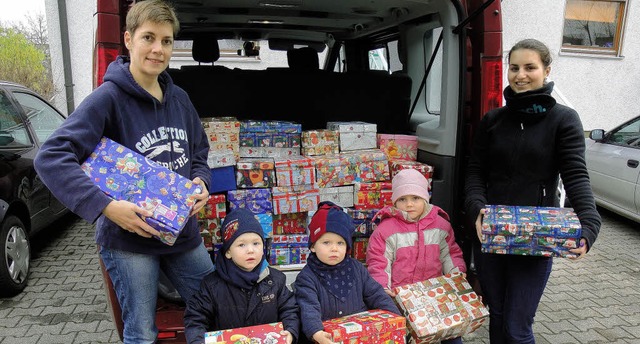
(26, 205)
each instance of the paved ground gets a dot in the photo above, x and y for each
(594, 300)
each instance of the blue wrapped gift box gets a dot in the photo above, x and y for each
(123, 174)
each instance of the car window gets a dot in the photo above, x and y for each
(627, 135)
(44, 119)
(13, 132)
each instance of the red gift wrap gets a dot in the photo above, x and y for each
(267, 333)
(368, 327)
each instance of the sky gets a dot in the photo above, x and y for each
(14, 11)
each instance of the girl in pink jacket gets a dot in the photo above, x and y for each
(414, 240)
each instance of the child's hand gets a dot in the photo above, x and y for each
(288, 335)
(390, 292)
(580, 251)
(322, 337)
(479, 224)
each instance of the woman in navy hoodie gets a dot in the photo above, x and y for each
(139, 107)
(332, 284)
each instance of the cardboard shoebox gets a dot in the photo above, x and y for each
(320, 142)
(291, 223)
(255, 173)
(363, 221)
(267, 333)
(372, 195)
(441, 308)
(123, 174)
(258, 201)
(368, 327)
(351, 167)
(224, 140)
(295, 170)
(355, 135)
(397, 165)
(215, 208)
(537, 231)
(269, 139)
(399, 146)
(340, 195)
(295, 199)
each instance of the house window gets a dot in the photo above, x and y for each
(594, 26)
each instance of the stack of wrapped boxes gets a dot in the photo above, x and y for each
(281, 173)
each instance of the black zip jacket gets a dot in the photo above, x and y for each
(520, 149)
(220, 305)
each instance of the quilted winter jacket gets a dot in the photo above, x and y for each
(219, 305)
(402, 252)
(318, 304)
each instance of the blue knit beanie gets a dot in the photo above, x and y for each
(239, 221)
(331, 218)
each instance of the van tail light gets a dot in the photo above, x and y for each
(491, 93)
(105, 53)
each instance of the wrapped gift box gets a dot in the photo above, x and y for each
(441, 308)
(269, 134)
(359, 250)
(266, 221)
(363, 221)
(340, 195)
(290, 239)
(215, 208)
(291, 223)
(374, 195)
(207, 239)
(123, 174)
(261, 152)
(537, 231)
(295, 170)
(257, 200)
(224, 140)
(320, 142)
(212, 226)
(399, 146)
(295, 199)
(368, 327)
(267, 333)
(351, 167)
(355, 135)
(255, 173)
(396, 165)
(288, 253)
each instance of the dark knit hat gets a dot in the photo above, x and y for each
(331, 218)
(238, 222)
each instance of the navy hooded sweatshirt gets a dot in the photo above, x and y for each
(168, 132)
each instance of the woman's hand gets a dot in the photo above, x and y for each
(479, 224)
(580, 251)
(130, 217)
(201, 198)
(322, 337)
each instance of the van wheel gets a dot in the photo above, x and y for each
(15, 254)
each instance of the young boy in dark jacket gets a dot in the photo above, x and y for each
(243, 291)
(332, 284)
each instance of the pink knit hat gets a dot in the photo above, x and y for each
(409, 182)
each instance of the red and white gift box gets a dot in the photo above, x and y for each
(295, 199)
(295, 170)
(267, 333)
(368, 327)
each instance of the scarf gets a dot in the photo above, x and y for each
(339, 279)
(232, 274)
(531, 105)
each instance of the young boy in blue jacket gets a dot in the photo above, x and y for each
(243, 291)
(332, 284)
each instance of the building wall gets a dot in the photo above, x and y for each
(604, 90)
(80, 23)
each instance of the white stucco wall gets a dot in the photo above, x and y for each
(80, 21)
(604, 91)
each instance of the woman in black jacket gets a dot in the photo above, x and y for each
(519, 151)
